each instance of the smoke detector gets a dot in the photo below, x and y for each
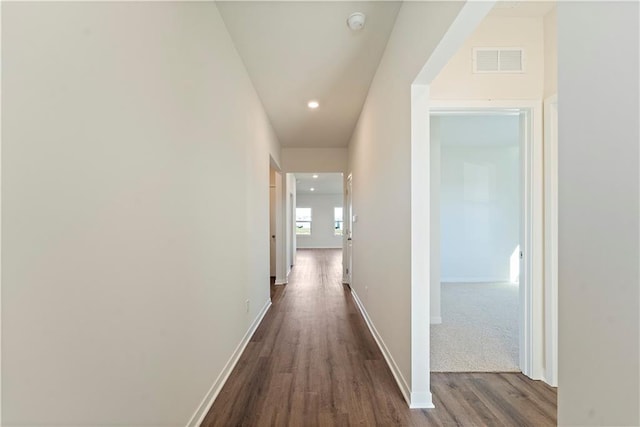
(355, 21)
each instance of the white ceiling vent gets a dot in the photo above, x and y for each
(498, 60)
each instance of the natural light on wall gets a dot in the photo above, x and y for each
(514, 266)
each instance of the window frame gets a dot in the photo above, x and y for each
(338, 231)
(304, 221)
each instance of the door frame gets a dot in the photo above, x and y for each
(347, 218)
(279, 221)
(532, 316)
(551, 237)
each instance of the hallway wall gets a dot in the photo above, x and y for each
(314, 160)
(599, 195)
(380, 161)
(124, 277)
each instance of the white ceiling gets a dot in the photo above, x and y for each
(325, 183)
(479, 130)
(298, 51)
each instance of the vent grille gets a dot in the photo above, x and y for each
(498, 60)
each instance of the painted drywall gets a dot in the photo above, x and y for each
(322, 224)
(380, 161)
(458, 82)
(550, 22)
(312, 160)
(479, 195)
(599, 248)
(479, 212)
(124, 277)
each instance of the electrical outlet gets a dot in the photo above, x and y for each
(247, 304)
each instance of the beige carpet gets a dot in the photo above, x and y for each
(479, 330)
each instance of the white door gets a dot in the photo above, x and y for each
(272, 230)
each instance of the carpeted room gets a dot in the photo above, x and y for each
(479, 232)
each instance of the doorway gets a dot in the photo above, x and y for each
(272, 225)
(348, 244)
(477, 212)
(319, 216)
(521, 263)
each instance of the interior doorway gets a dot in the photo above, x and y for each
(319, 214)
(348, 267)
(477, 217)
(272, 225)
(525, 259)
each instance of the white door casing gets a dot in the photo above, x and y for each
(348, 211)
(532, 325)
(551, 238)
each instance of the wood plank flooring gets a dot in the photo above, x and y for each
(313, 362)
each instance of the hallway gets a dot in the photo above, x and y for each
(313, 361)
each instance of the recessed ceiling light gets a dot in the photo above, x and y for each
(313, 104)
(312, 189)
(315, 176)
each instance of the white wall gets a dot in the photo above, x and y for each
(314, 160)
(479, 212)
(599, 167)
(322, 224)
(479, 195)
(124, 278)
(551, 53)
(380, 161)
(458, 82)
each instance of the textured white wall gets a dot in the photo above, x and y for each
(124, 276)
(599, 248)
(322, 225)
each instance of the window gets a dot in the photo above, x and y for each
(303, 221)
(338, 222)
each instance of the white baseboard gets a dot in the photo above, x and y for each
(402, 383)
(281, 281)
(207, 402)
(474, 280)
(320, 247)
(421, 401)
(436, 320)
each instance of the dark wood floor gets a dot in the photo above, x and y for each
(313, 362)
